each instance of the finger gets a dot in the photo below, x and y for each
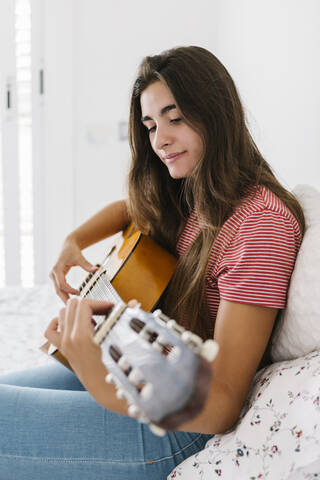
(60, 280)
(98, 307)
(52, 334)
(86, 309)
(62, 294)
(61, 320)
(83, 262)
(66, 288)
(69, 318)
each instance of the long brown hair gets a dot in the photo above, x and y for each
(159, 205)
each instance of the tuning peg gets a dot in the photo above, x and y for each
(123, 363)
(190, 337)
(143, 418)
(133, 411)
(160, 432)
(147, 391)
(209, 350)
(110, 378)
(135, 376)
(162, 340)
(173, 325)
(160, 316)
(120, 394)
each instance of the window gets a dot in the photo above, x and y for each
(16, 203)
(23, 82)
(2, 256)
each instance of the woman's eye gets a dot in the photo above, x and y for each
(176, 120)
(151, 129)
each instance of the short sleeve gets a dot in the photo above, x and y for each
(257, 265)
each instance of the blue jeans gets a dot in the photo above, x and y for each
(51, 428)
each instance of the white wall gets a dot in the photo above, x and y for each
(111, 38)
(107, 40)
(271, 48)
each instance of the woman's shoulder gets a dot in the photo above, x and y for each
(260, 215)
(262, 205)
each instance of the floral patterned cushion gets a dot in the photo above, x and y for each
(278, 434)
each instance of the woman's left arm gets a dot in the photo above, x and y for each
(242, 332)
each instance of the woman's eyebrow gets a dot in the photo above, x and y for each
(163, 111)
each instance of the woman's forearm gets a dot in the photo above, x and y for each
(219, 414)
(108, 221)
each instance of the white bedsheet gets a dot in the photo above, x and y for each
(24, 315)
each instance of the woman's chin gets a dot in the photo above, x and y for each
(177, 173)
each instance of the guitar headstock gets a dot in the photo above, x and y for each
(161, 369)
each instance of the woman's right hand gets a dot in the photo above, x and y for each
(70, 256)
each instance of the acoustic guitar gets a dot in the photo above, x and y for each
(161, 369)
(134, 267)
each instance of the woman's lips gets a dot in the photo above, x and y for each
(173, 157)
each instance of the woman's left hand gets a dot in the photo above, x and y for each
(72, 333)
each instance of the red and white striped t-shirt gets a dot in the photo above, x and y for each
(254, 254)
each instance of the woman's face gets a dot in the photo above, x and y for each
(177, 145)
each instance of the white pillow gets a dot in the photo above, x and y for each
(298, 332)
(278, 434)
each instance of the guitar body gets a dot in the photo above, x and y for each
(134, 268)
(139, 268)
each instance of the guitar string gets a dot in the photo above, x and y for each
(108, 292)
(97, 293)
(103, 290)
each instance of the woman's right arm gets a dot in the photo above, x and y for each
(108, 221)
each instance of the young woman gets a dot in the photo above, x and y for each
(198, 186)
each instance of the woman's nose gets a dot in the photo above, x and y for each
(162, 138)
